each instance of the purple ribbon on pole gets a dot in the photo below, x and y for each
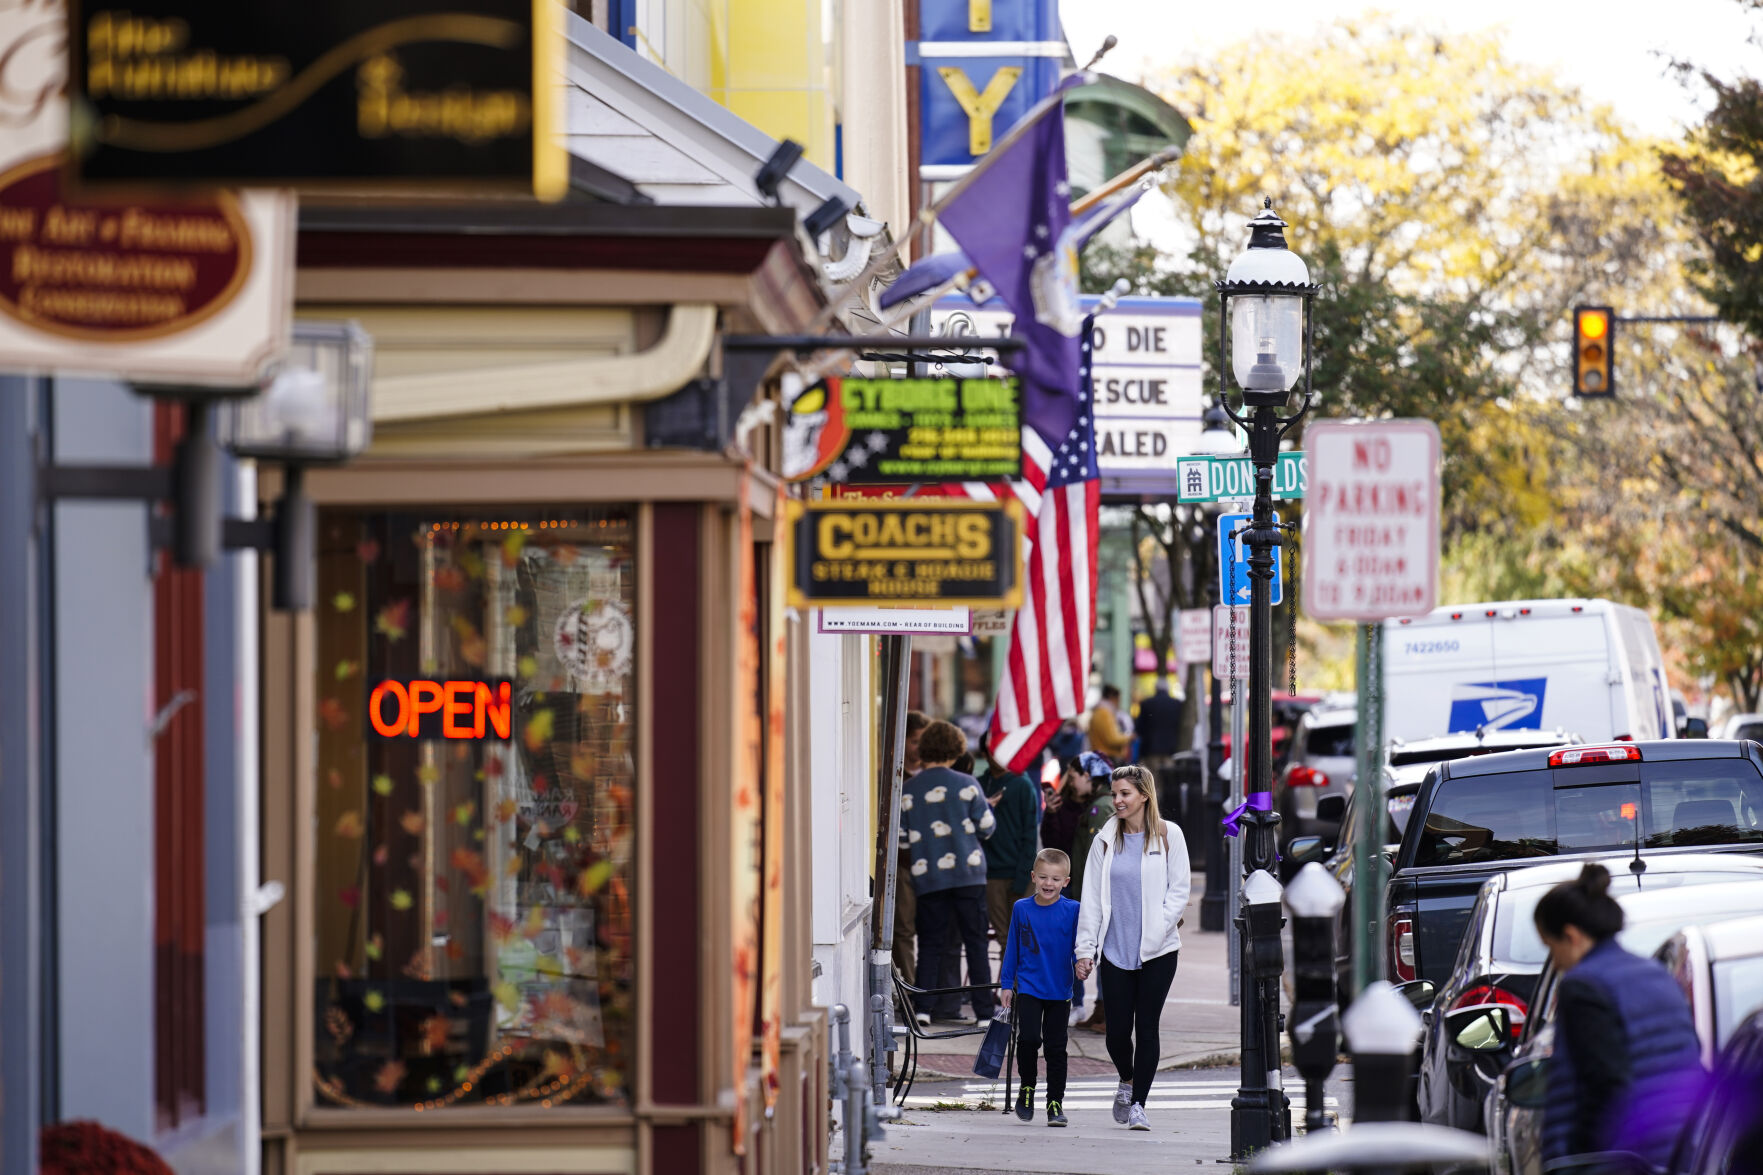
(1261, 801)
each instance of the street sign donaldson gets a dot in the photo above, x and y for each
(1225, 479)
(1371, 527)
(906, 551)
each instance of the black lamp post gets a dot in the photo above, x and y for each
(1217, 439)
(1264, 331)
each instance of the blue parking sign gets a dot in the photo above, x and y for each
(1233, 562)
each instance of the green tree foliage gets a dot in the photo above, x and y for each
(1718, 174)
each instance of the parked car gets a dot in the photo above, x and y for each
(1409, 761)
(1484, 815)
(1726, 1135)
(1321, 764)
(1742, 726)
(1336, 855)
(1719, 965)
(1498, 963)
(1513, 1109)
(1589, 666)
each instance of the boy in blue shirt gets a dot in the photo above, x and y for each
(1036, 979)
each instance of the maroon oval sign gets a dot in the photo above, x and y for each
(114, 271)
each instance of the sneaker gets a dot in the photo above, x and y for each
(1025, 1104)
(1122, 1101)
(1056, 1115)
(923, 1018)
(983, 1022)
(1136, 1119)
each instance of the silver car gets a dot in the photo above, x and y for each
(1322, 763)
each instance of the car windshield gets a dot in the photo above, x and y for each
(1738, 991)
(1516, 944)
(1750, 730)
(1524, 814)
(1329, 742)
(1399, 807)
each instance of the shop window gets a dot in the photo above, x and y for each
(476, 725)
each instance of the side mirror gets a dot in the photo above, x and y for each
(1419, 992)
(1331, 809)
(1526, 1083)
(1694, 728)
(1480, 1029)
(1305, 849)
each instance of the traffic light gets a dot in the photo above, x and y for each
(1593, 372)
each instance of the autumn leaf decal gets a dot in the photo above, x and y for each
(393, 621)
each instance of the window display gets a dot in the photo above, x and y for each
(476, 726)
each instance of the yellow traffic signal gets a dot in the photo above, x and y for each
(1593, 372)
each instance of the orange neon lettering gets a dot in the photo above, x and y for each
(500, 711)
(396, 726)
(460, 695)
(425, 698)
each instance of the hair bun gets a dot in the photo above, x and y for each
(1595, 880)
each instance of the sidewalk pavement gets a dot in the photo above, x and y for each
(959, 1128)
(1200, 1026)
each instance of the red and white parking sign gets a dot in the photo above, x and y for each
(1371, 520)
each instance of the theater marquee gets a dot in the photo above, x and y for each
(857, 551)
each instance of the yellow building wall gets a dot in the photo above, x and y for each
(769, 61)
(779, 74)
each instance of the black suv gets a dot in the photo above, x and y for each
(1477, 817)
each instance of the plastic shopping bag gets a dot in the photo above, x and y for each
(990, 1061)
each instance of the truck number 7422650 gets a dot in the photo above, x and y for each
(1420, 648)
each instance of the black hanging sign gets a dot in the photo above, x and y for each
(345, 92)
(904, 551)
(903, 431)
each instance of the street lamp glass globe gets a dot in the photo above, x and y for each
(1267, 341)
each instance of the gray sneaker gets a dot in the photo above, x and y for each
(1136, 1119)
(1122, 1100)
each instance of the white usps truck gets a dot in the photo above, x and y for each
(1588, 667)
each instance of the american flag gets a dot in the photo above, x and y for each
(1047, 674)
(1011, 219)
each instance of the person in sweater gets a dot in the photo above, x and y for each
(905, 898)
(1626, 1069)
(1107, 734)
(1134, 895)
(1036, 978)
(946, 817)
(1010, 851)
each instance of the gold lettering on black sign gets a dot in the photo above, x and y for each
(877, 552)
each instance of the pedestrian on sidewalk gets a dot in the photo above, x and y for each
(905, 897)
(1084, 809)
(1135, 890)
(1035, 979)
(1626, 1071)
(1110, 728)
(1010, 852)
(946, 816)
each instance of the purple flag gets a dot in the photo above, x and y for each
(1010, 221)
(927, 275)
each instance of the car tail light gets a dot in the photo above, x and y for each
(1307, 777)
(1402, 949)
(1489, 996)
(1582, 756)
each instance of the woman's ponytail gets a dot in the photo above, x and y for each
(1584, 902)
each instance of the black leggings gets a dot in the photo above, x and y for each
(1134, 1003)
(1039, 1021)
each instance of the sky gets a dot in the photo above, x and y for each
(1616, 51)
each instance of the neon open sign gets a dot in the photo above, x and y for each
(452, 709)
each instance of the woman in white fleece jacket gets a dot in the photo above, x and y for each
(1134, 893)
